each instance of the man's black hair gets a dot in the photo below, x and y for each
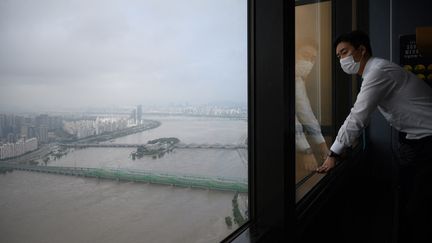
(355, 38)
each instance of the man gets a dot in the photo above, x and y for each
(305, 119)
(406, 103)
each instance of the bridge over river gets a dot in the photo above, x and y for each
(178, 145)
(181, 180)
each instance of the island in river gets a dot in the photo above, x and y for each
(155, 148)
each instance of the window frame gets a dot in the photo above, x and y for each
(305, 2)
(271, 54)
(274, 212)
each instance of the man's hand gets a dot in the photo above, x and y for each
(323, 151)
(328, 164)
(308, 160)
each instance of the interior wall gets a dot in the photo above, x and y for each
(388, 19)
(406, 16)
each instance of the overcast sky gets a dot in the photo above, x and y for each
(81, 53)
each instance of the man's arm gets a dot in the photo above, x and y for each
(374, 89)
(305, 114)
(304, 154)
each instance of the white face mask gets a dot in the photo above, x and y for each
(349, 65)
(303, 68)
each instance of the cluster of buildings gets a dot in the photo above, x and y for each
(214, 111)
(22, 146)
(86, 128)
(14, 127)
(203, 110)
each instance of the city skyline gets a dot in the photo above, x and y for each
(126, 109)
(57, 55)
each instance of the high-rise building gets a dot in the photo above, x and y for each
(19, 122)
(55, 122)
(42, 120)
(11, 138)
(139, 114)
(43, 134)
(31, 132)
(2, 126)
(134, 116)
(24, 131)
(21, 147)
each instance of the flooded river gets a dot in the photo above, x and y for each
(37, 207)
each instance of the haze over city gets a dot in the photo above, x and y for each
(56, 55)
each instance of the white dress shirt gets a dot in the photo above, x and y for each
(404, 100)
(305, 118)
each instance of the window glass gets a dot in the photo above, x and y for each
(313, 84)
(123, 120)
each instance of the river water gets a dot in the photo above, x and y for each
(53, 208)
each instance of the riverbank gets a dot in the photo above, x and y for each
(47, 149)
(41, 152)
(146, 125)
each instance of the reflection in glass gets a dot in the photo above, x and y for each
(306, 122)
(312, 86)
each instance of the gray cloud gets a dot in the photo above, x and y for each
(76, 53)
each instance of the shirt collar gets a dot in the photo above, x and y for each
(368, 66)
